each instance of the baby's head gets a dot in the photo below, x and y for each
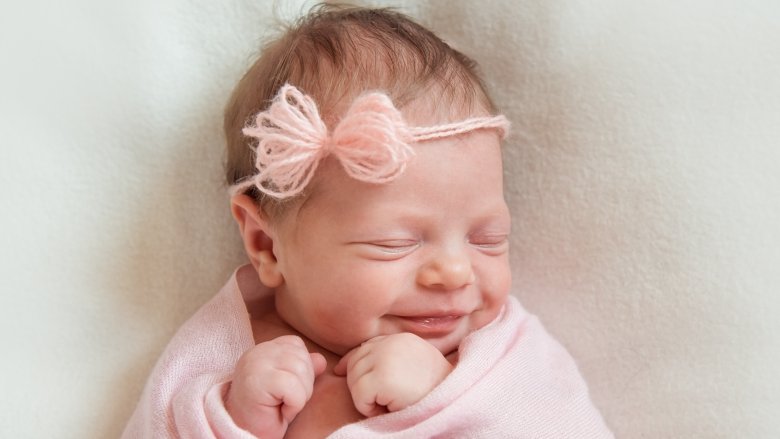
(365, 162)
(334, 55)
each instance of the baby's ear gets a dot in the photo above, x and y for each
(258, 239)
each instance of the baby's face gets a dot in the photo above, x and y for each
(426, 253)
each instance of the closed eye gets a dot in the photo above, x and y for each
(388, 249)
(492, 244)
(395, 245)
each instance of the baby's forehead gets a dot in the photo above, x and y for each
(436, 108)
(433, 105)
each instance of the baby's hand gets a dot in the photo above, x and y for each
(271, 384)
(389, 373)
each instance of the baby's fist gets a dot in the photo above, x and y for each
(392, 372)
(271, 384)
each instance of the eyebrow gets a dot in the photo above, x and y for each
(497, 212)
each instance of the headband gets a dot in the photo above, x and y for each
(371, 141)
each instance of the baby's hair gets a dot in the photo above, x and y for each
(335, 53)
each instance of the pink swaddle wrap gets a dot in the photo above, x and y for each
(513, 380)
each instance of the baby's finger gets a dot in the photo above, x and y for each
(291, 393)
(296, 361)
(364, 396)
(341, 367)
(290, 340)
(343, 364)
(357, 356)
(318, 362)
(362, 363)
(374, 340)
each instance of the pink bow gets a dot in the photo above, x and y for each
(371, 142)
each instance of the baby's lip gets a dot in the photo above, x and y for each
(434, 314)
(432, 324)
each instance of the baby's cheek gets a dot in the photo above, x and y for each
(491, 310)
(495, 290)
(497, 282)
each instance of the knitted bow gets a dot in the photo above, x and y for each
(371, 141)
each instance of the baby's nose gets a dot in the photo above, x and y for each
(446, 271)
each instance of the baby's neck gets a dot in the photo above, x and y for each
(267, 325)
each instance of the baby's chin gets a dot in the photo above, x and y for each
(450, 343)
(448, 348)
(476, 322)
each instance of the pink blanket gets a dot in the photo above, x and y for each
(512, 380)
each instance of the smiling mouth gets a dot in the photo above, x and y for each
(431, 326)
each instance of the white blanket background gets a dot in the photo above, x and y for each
(643, 175)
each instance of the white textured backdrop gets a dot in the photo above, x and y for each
(644, 179)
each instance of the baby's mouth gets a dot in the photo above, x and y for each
(431, 321)
(431, 326)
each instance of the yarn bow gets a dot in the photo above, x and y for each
(371, 142)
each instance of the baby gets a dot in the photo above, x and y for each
(365, 168)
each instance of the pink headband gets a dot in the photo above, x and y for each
(371, 141)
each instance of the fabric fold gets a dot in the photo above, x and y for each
(512, 380)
